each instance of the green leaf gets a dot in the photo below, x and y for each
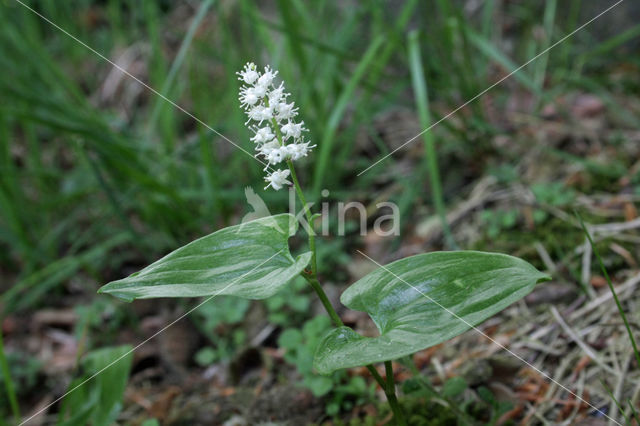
(454, 387)
(400, 300)
(250, 260)
(112, 380)
(206, 356)
(290, 339)
(333, 408)
(98, 401)
(319, 385)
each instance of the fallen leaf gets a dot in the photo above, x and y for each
(630, 211)
(598, 281)
(162, 405)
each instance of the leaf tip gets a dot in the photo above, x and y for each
(542, 277)
(106, 289)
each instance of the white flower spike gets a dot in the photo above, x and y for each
(266, 104)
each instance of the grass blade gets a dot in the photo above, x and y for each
(540, 70)
(178, 61)
(615, 401)
(329, 133)
(486, 48)
(611, 43)
(422, 100)
(613, 291)
(634, 412)
(8, 383)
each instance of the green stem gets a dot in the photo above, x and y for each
(390, 392)
(312, 279)
(307, 213)
(315, 284)
(8, 383)
(377, 376)
(398, 414)
(388, 368)
(388, 386)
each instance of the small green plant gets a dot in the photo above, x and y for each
(220, 324)
(499, 220)
(341, 390)
(554, 194)
(415, 302)
(99, 401)
(300, 346)
(498, 408)
(289, 307)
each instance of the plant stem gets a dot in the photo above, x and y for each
(307, 213)
(313, 277)
(390, 392)
(388, 368)
(377, 376)
(388, 386)
(315, 284)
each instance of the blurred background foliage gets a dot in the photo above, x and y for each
(99, 174)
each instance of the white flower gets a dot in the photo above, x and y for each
(248, 97)
(267, 77)
(264, 102)
(263, 135)
(266, 148)
(292, 129)
(277, 95)
(286, 111)
(260, 91)
(296, 151)
(277, 179)
(260, 113)
(277, 155)
(249, 74)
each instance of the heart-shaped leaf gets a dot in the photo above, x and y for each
(413, 301)
(251, 260)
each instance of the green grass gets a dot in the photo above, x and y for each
(8, 382)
